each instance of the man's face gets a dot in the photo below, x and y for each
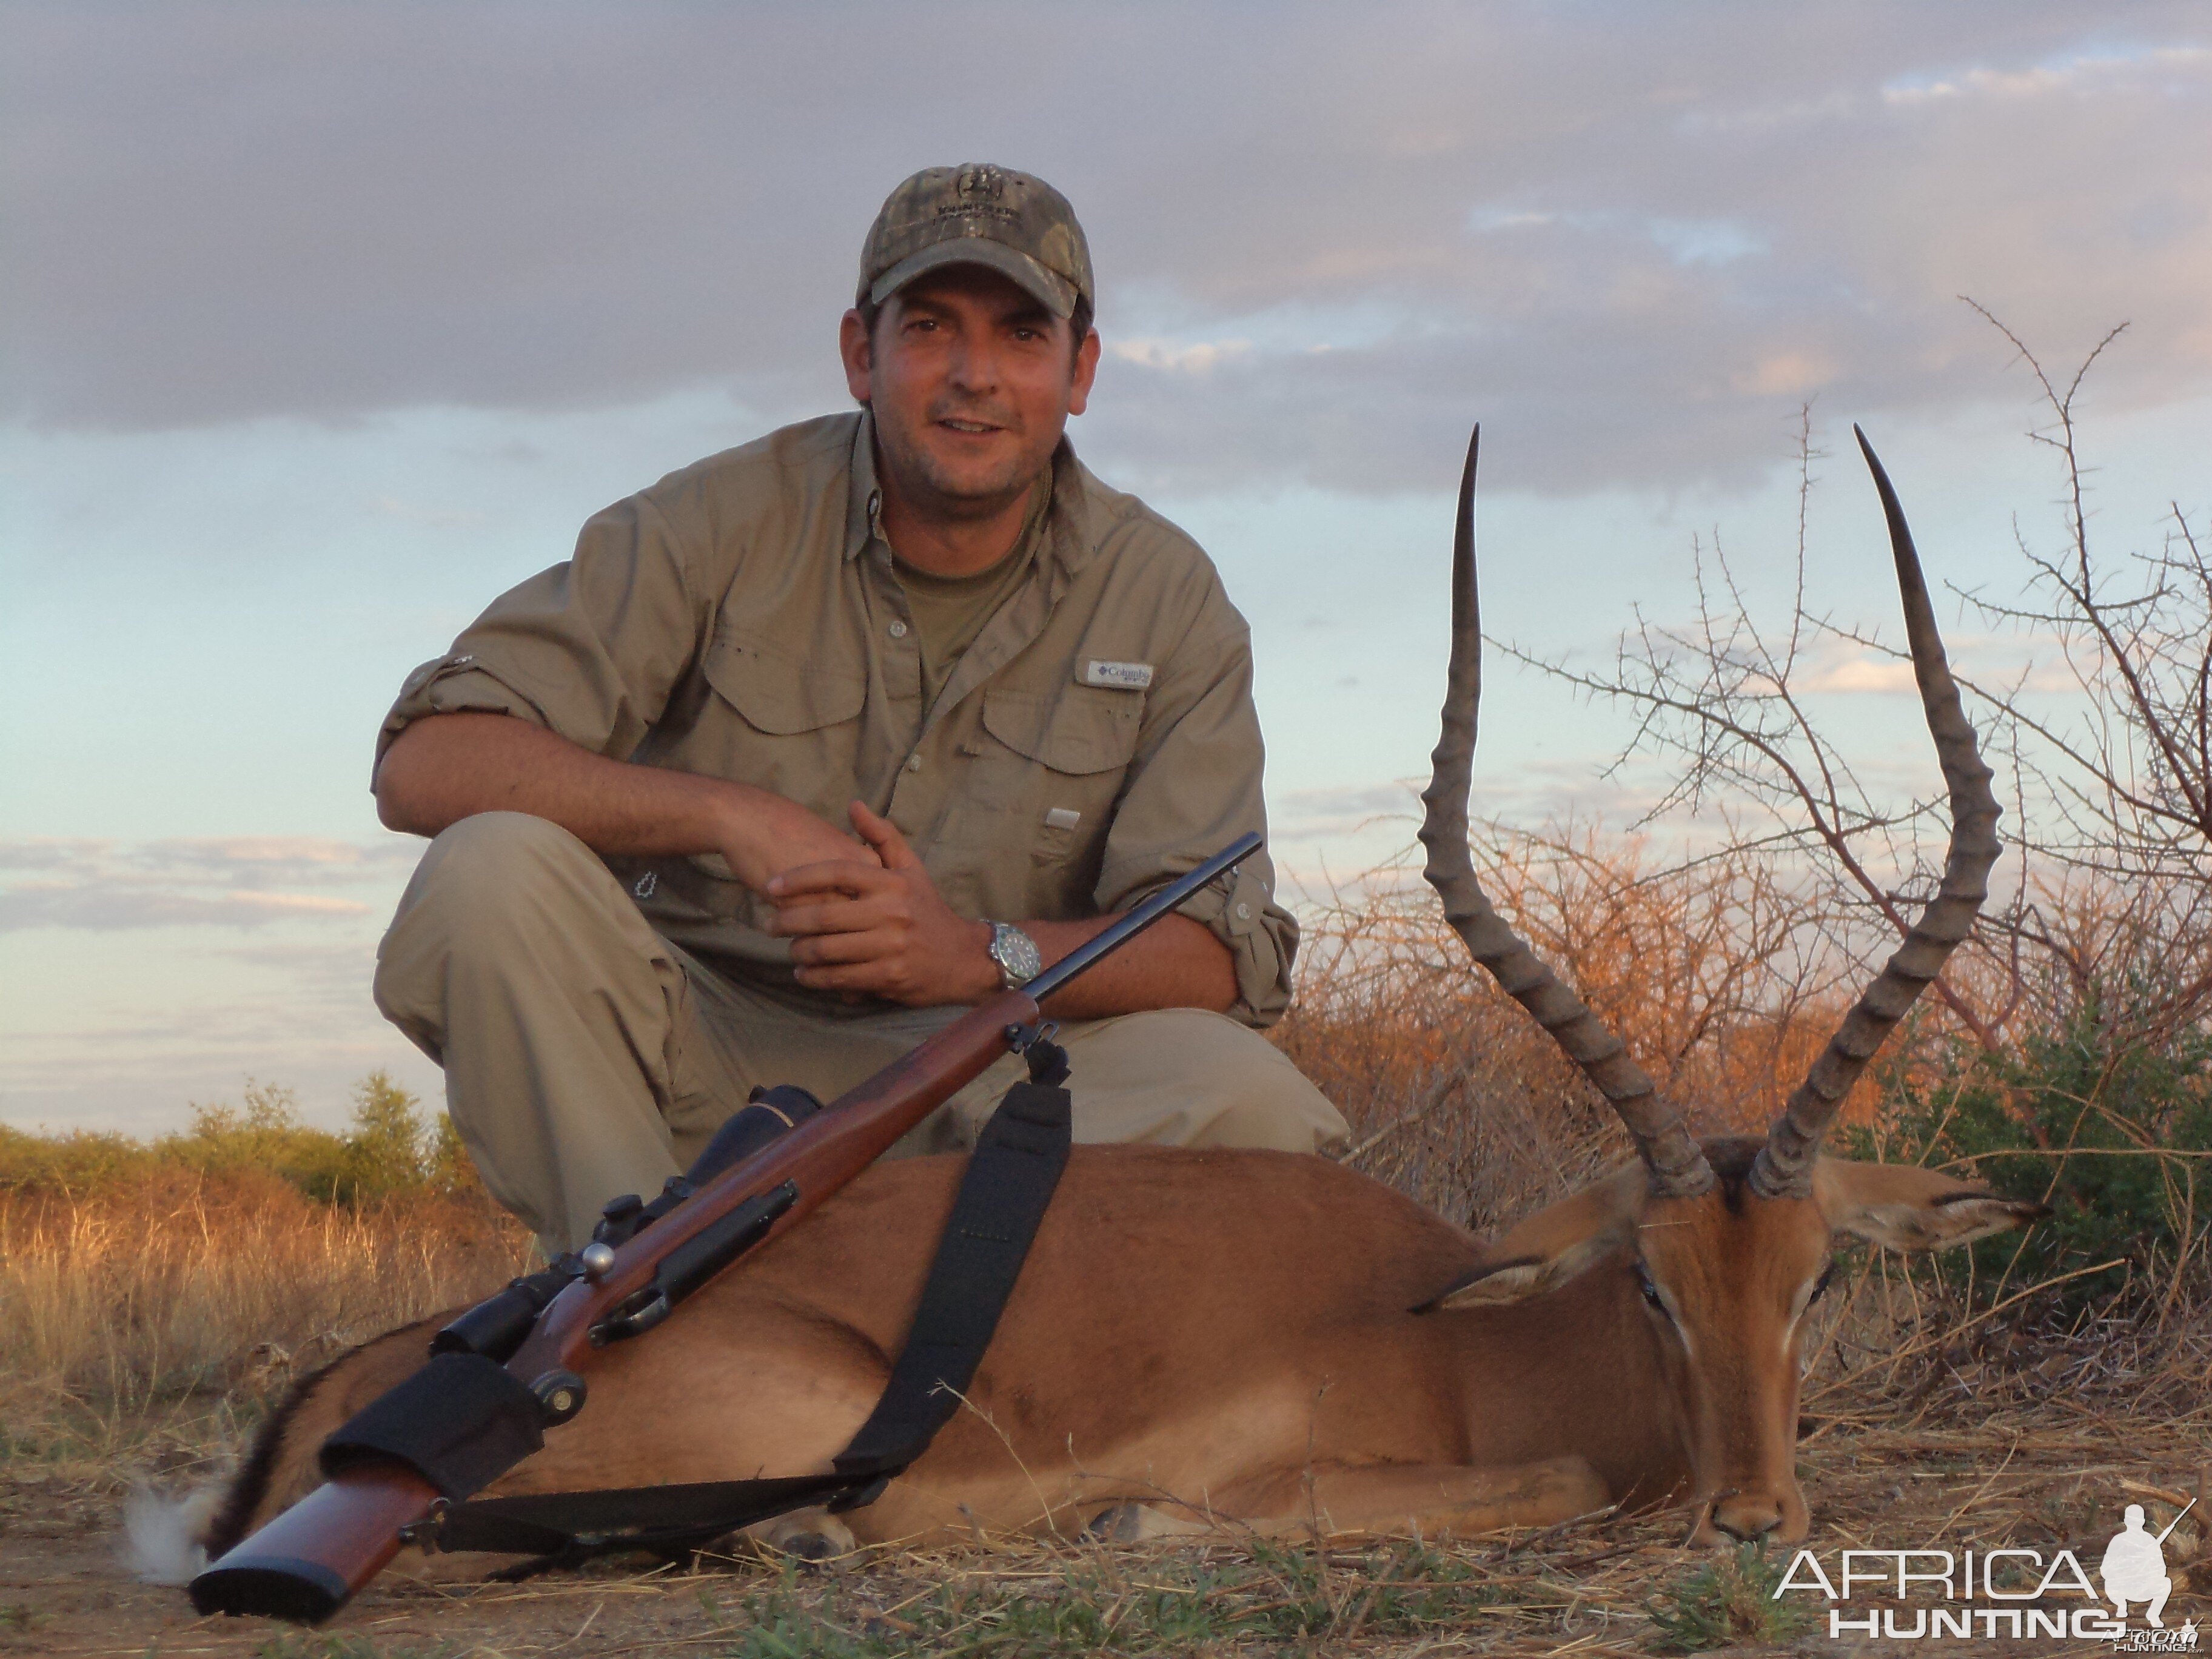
(972, 381)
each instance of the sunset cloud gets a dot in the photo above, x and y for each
(1641, 243)
(232, 882)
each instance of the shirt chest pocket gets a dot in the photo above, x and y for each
(785, 726)
(1052, 764)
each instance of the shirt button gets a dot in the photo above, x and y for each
(1243, 913)
(914, 763)
(898, 631)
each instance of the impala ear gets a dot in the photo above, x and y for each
(1906, 1207)
(1551, 1247)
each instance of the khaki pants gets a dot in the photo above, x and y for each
(586, 1056)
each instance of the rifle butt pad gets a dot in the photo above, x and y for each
(309, 1561)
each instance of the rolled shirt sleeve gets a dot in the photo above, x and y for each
(589, 649)
(1196, 787)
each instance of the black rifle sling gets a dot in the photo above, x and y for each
(1002, 1199)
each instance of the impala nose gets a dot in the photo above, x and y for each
(1746, 1516)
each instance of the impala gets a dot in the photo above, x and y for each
(1276, 1342)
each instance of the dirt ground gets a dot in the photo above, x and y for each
(2056, 1475)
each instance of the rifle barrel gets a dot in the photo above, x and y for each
(1125, 927)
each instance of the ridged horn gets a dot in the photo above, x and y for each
(1677, 1167)
(1785, 1166)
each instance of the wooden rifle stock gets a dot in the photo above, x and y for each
(310, 1560)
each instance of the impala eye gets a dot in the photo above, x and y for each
(1644, 1283)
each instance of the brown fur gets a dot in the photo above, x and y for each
(1227, 1335)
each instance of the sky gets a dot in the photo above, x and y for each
(321, 325)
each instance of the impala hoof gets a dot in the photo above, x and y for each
(810, 1535)
(1124, 1523)
(1744, 1520)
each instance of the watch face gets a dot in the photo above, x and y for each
(1016, 953)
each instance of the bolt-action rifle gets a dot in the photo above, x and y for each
(520, 1362)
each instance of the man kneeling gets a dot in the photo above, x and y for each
(821, 739)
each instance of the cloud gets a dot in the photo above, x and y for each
(103, 1042)
(102, 910)
(2000, 664)
(1634, 238)
(1319, 814)
(2080, 74)
(239, 881)
(1531, 794)
(1856, 671)
(1171, 358)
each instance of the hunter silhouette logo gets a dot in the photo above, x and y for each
(2134, 1567)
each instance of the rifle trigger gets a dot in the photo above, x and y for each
(638, 1313)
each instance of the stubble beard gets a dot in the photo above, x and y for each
(926, 479)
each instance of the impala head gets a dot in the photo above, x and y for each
(1723, 1246)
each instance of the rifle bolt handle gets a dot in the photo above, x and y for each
(598, 1260)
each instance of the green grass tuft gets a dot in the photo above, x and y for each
(1728, 1602)
(1267, 1595)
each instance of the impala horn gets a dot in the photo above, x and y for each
(1677, 1167)
(1784, 1167)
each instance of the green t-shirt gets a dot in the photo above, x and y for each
(949, 611)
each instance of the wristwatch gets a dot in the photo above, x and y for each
(1017, 954)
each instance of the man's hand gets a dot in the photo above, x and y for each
(766, 836)
(882, 931)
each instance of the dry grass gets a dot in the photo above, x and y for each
(179, 1294)
(2015, 1474)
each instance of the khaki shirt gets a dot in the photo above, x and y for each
(742, 619)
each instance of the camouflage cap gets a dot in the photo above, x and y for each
(979, 214)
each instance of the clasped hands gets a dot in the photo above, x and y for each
(866, 921)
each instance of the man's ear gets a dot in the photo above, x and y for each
(1552, 1246)
(1086, 371)
(1906, 1207)
(856, 352)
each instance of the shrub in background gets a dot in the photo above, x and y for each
(392, 1147)
(229, 1257)
(2114, 1133)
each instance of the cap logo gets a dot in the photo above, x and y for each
(986, 183)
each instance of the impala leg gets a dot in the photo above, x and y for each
(1432, 1499)
(1440, 1499)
